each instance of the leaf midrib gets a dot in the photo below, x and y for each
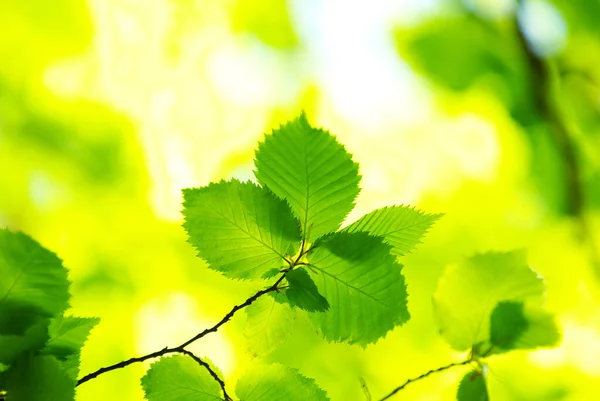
(259, 240)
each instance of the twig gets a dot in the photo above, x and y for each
(181, 348)
(541, 88)
(210, 371)
(426, 374)
(548, 107)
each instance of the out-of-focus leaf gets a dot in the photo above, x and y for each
(454, 52)
(269, 324)
(34, 283)
(460, 51)
(468, 292)
(38, 378)
(33, 339)
(472, 387)
(277, 383)
(179, 378)
(508, 323)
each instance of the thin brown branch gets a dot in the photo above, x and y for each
(181, 348)
(210, 371)
(426, 374)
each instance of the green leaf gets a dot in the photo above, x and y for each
(239, 228)
(33, 339)
(277, 383)
(312, 171)
(179, 378)
(472, 387)
(38, 378)
(271, 273)
(508, 322)
(401, 226)
(303, 292)
(363, 284)
(527, 327)
(67, 336)
(34, 283)
(468, 292)
(269, 323)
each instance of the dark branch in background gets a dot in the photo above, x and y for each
(543, 97)
(546, 104)
(211, 372)
(181, 349)
(426, 374)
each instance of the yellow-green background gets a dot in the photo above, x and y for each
(109, 107)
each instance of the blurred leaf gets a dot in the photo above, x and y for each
(303, 293)
(401, 226)
(362, 282)
(269, 324)
(277, 383)
(580, 15)
(179, 378)
(34, 283)
(33, 339)
(312, 171)
(455, 52)
(459, 52)
(239, 228)
(38, 378)
(268, 20)
(542, 329)
(515, 325)
(472, 387)
(467, 294)
(508, 323)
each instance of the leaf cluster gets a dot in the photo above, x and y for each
(285, 231)
(40, 347)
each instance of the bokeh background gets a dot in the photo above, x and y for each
(485, 110)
